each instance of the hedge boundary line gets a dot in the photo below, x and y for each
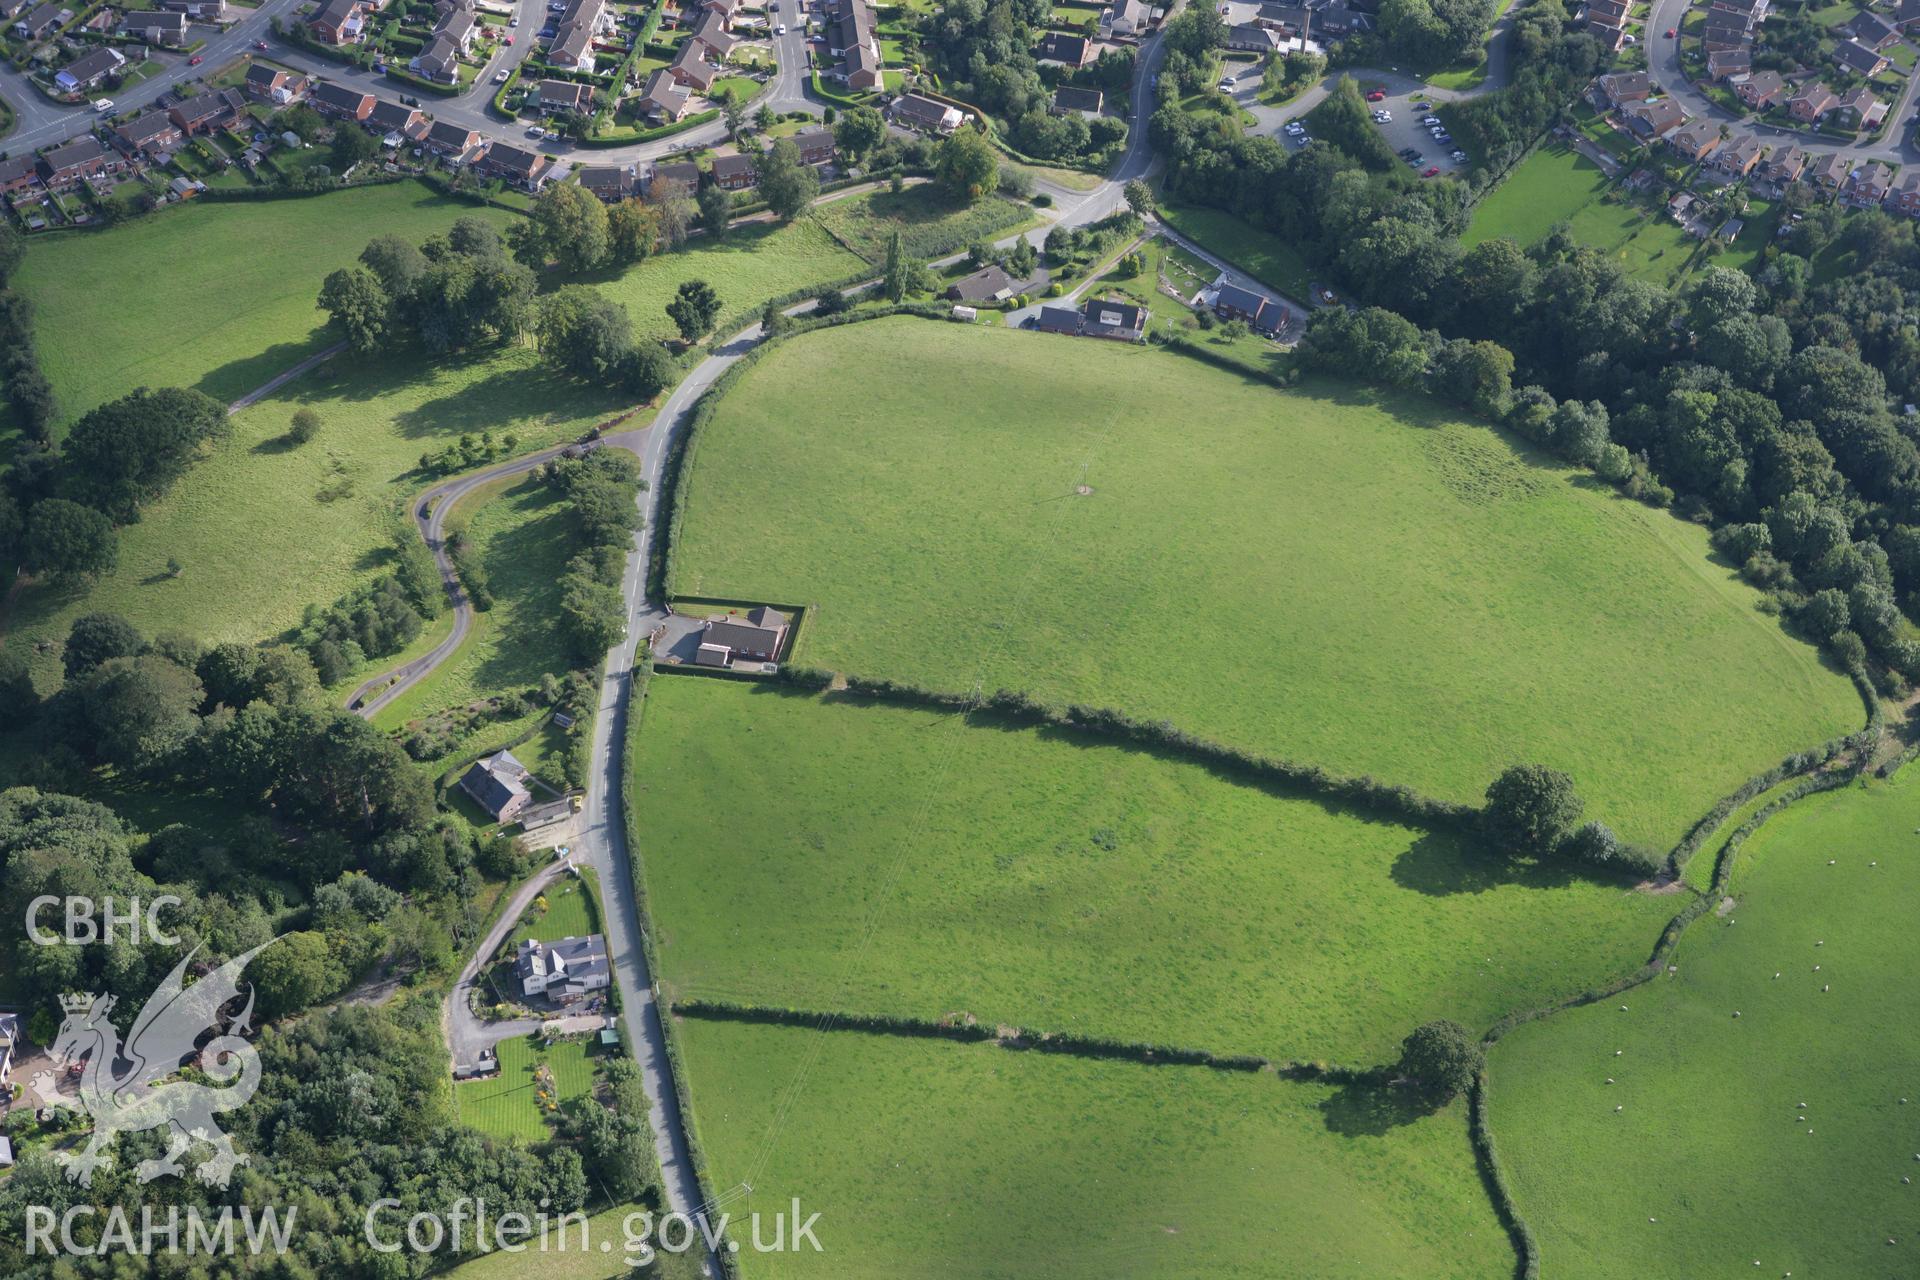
(1026, 1039)
(1493, 1173)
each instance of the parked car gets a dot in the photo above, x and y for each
(103, 105)
(1461, 156)
(509, 39)
(1429, 119)
(514, 21)
(260, 45)
(1669, 33)
(1423, 106)
(1294, 126)
(536, 131)
(1378, 95)
(195, 60)
(1431, 171)
(500, 76)
(780, 29)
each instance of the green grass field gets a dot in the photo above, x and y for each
(930, 225)
(257, 540)
(1061, 883)
(564, 1258)
(926, 1158)
(506, 1105)
(226, 297)
(1556, 184)
(1263, 256)
(1359, 581)
(1712, 1144)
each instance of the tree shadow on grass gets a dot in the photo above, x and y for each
(1442, 866)
(237, 377)
(1369, 1109)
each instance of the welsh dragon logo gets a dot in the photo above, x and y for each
(120, 1084)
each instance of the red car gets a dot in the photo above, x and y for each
(1378, 95)
(260, 44)
(509, 39)
(1429, 173)
(1669, 33)
(195, 60)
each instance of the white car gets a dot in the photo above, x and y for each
(537, 131)
(500, 76)
(1229, 83)
(1384, 117)
(1296, 128)
(1429, 119)
(780, 30)
(103, 105)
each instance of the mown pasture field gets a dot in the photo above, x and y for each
(221, 296)
(262, 528)
(1357, 580)
(1711, 1164)
(1061, 883)
(928, 221)
(929, 1158)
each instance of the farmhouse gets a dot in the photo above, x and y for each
(1723, 64)
(757, 637)
(989, 284)
(339, 22)
(664, 97)
(911, 111)
(206, 112)
(1231, 302)
(612, 183)
(852, 40)
(498, 784)
(88, 70)
(83, 158)
(1695, 140)
(340, 102)
(525, 169)
(733, 173)
(816, 145)
(1654, 119)
(156, 28)
(564, 95)
(1056, 48)
(1857, 58)
(1812, 102)
(563, 971)
(148, 134)
(1119, 320)
(1761, 90)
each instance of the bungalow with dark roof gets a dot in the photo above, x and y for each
(1251, 37)
(1108, 318)
(563, 971)
(1868, 185)
(340, 102)
(148, 135)
(733, 173)
(611, 183)
(1071, 100)
(816, 145)
(339, 22)
(1058, 320)
(199, 10)
(88, 70)
(71, 164)
(564, 95)
(1695, 140)
(1057, 48)
(498, 784)
(912, 111)
(989, 284)
(1871, 30)
(525, 169)
(758, 637)
(1859, 59)
(206, 112)
(1812, 102)
(43, 22)
(169, 29)
(1761, 90)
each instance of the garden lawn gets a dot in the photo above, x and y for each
(1059, 882)
(930, 224)
(755, 262)
(1260, 254)
(1711, 1140)
(257, 539)
(228, 300)
(571, 912)
(1340, 576)
(929, 1158)
(506, 1105)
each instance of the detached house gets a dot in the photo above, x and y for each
(1739, 156)
(853, 42)
(396, 118)
(664, 98)
(1125, 18)
(611, 183)
(816, 145)
(1812, 103)
(1857, 58)
(206, 112)
(1723, 64)
(1059, 49)
(20, 173)
(733, 173)
(1867, 186)
(1262, 313)
(1761, 90)
(691, 69)
(711, 31)
(1625, 87)
(339, 22)
(452, 141)
(989, 284)
(1907, 16)
(88, 70)
(564, 95)
(1871, 30)
(563, 971)
(1784, 165)
(1654, 119)
(912, 111)
(1861, 106)
(1696, 140)
(498, 784)
(757, 637)
(1121, 321)
(271, 84)
(525, 169)
(42, 22)
(1905, 197)
(439, 61)
(1071, 100)
(168, 29)
(678, 178)
(1829, 171)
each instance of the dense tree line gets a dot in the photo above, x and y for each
(601, 490)
(454, 291)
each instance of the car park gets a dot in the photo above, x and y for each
(1429, 120)
(1461, 156)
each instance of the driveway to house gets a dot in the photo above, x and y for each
(469, 1035)
(1663, 61)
